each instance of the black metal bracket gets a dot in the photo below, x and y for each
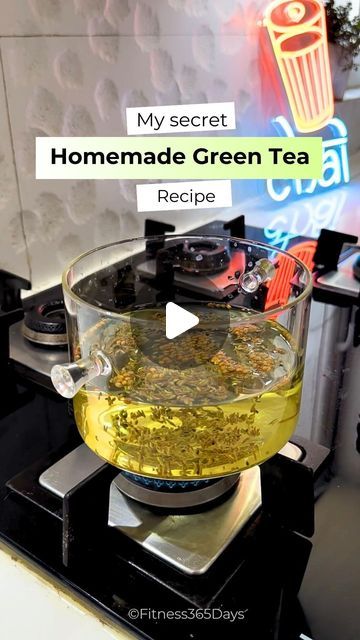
(326, 258)
(11, 311)
(236, 227)
(86, 505)
(287, 486)
(329, 247)
(10, 288)
(156, 228)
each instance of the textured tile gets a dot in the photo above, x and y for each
(12, 245)
(146, 20)
(88, 60)
(66, 86)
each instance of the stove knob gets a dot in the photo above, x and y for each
(68, 379)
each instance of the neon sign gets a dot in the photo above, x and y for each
(335, 163)
(305, 218)
(297, 31)
(277, 237)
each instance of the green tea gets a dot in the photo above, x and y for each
(211, 419)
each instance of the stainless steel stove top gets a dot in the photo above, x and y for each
(189, 542)
(38, 358)
(343, 280)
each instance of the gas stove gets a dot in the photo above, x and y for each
(238, 546)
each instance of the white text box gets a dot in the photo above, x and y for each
(183, 118)
(168, 196)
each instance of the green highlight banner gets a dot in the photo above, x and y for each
(178, 158)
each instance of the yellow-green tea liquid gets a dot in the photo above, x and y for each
(194, 442)
(201, 422)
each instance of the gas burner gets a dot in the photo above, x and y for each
(45, 324)
(175, 495)
(206, 256)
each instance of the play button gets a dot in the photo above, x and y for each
(180, 335)
(178, 320)
(174, 330)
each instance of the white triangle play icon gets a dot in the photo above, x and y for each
(178, 320)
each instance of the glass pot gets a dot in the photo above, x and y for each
(214, 400)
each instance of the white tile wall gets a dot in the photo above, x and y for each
(71, 67)
(13, 255)
(132, 17)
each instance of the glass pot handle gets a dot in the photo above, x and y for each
(263, 271)
(69, 378)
